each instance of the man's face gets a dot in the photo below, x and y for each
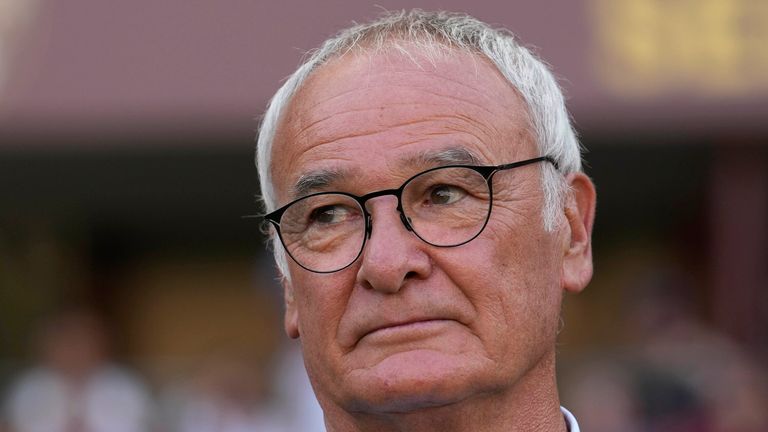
(410, 325)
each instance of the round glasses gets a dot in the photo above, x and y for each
(445, 206)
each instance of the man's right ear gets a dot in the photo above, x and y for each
(291, 319)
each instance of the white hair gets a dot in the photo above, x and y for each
(555, 137)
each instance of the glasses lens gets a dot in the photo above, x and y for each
(447, 206)
(325, 232)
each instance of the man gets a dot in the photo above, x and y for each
(428, 213)
(75, 386)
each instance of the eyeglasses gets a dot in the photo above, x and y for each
(445, 206)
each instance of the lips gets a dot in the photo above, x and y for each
(412, 314)
(382, 326)
(402, 324)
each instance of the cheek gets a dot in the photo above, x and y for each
(320, 298)
(320, 301)
(512, 279)
(512, 250)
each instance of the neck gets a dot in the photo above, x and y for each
(530, 405)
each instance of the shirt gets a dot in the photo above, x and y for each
(570, 420)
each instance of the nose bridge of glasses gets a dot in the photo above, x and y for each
(397, 193)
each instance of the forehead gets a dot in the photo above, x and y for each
(364, 113)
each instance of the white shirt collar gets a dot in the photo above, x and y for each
(570, 420)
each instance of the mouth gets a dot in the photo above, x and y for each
(416, 328)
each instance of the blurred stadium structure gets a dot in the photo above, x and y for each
(126, 147)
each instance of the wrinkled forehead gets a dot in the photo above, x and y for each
(366, 106)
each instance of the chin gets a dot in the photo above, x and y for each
(414, 380)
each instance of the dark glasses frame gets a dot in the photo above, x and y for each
(487, 171)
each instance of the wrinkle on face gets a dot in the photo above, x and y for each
(394, 70)
(307, 129)
(517, 198)
(352, 123)
(313, 119)
(379, 129)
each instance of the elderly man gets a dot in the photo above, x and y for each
(428, 213)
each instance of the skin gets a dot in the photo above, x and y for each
(414, 337)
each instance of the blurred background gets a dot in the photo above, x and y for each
(126, 167)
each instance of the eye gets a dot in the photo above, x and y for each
(445, 194)
(330, 214)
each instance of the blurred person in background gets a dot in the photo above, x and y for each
(675, 373)
(74, 387)
(298, 407)
(689, 376)
(429, 212)
(227, 395)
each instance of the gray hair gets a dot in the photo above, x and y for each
(531, 77)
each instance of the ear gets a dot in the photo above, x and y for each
(579, 215)
(291, 319)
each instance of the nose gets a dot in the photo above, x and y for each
(393, 256)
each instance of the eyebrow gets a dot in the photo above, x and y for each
(315, 181)
(447, 156)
